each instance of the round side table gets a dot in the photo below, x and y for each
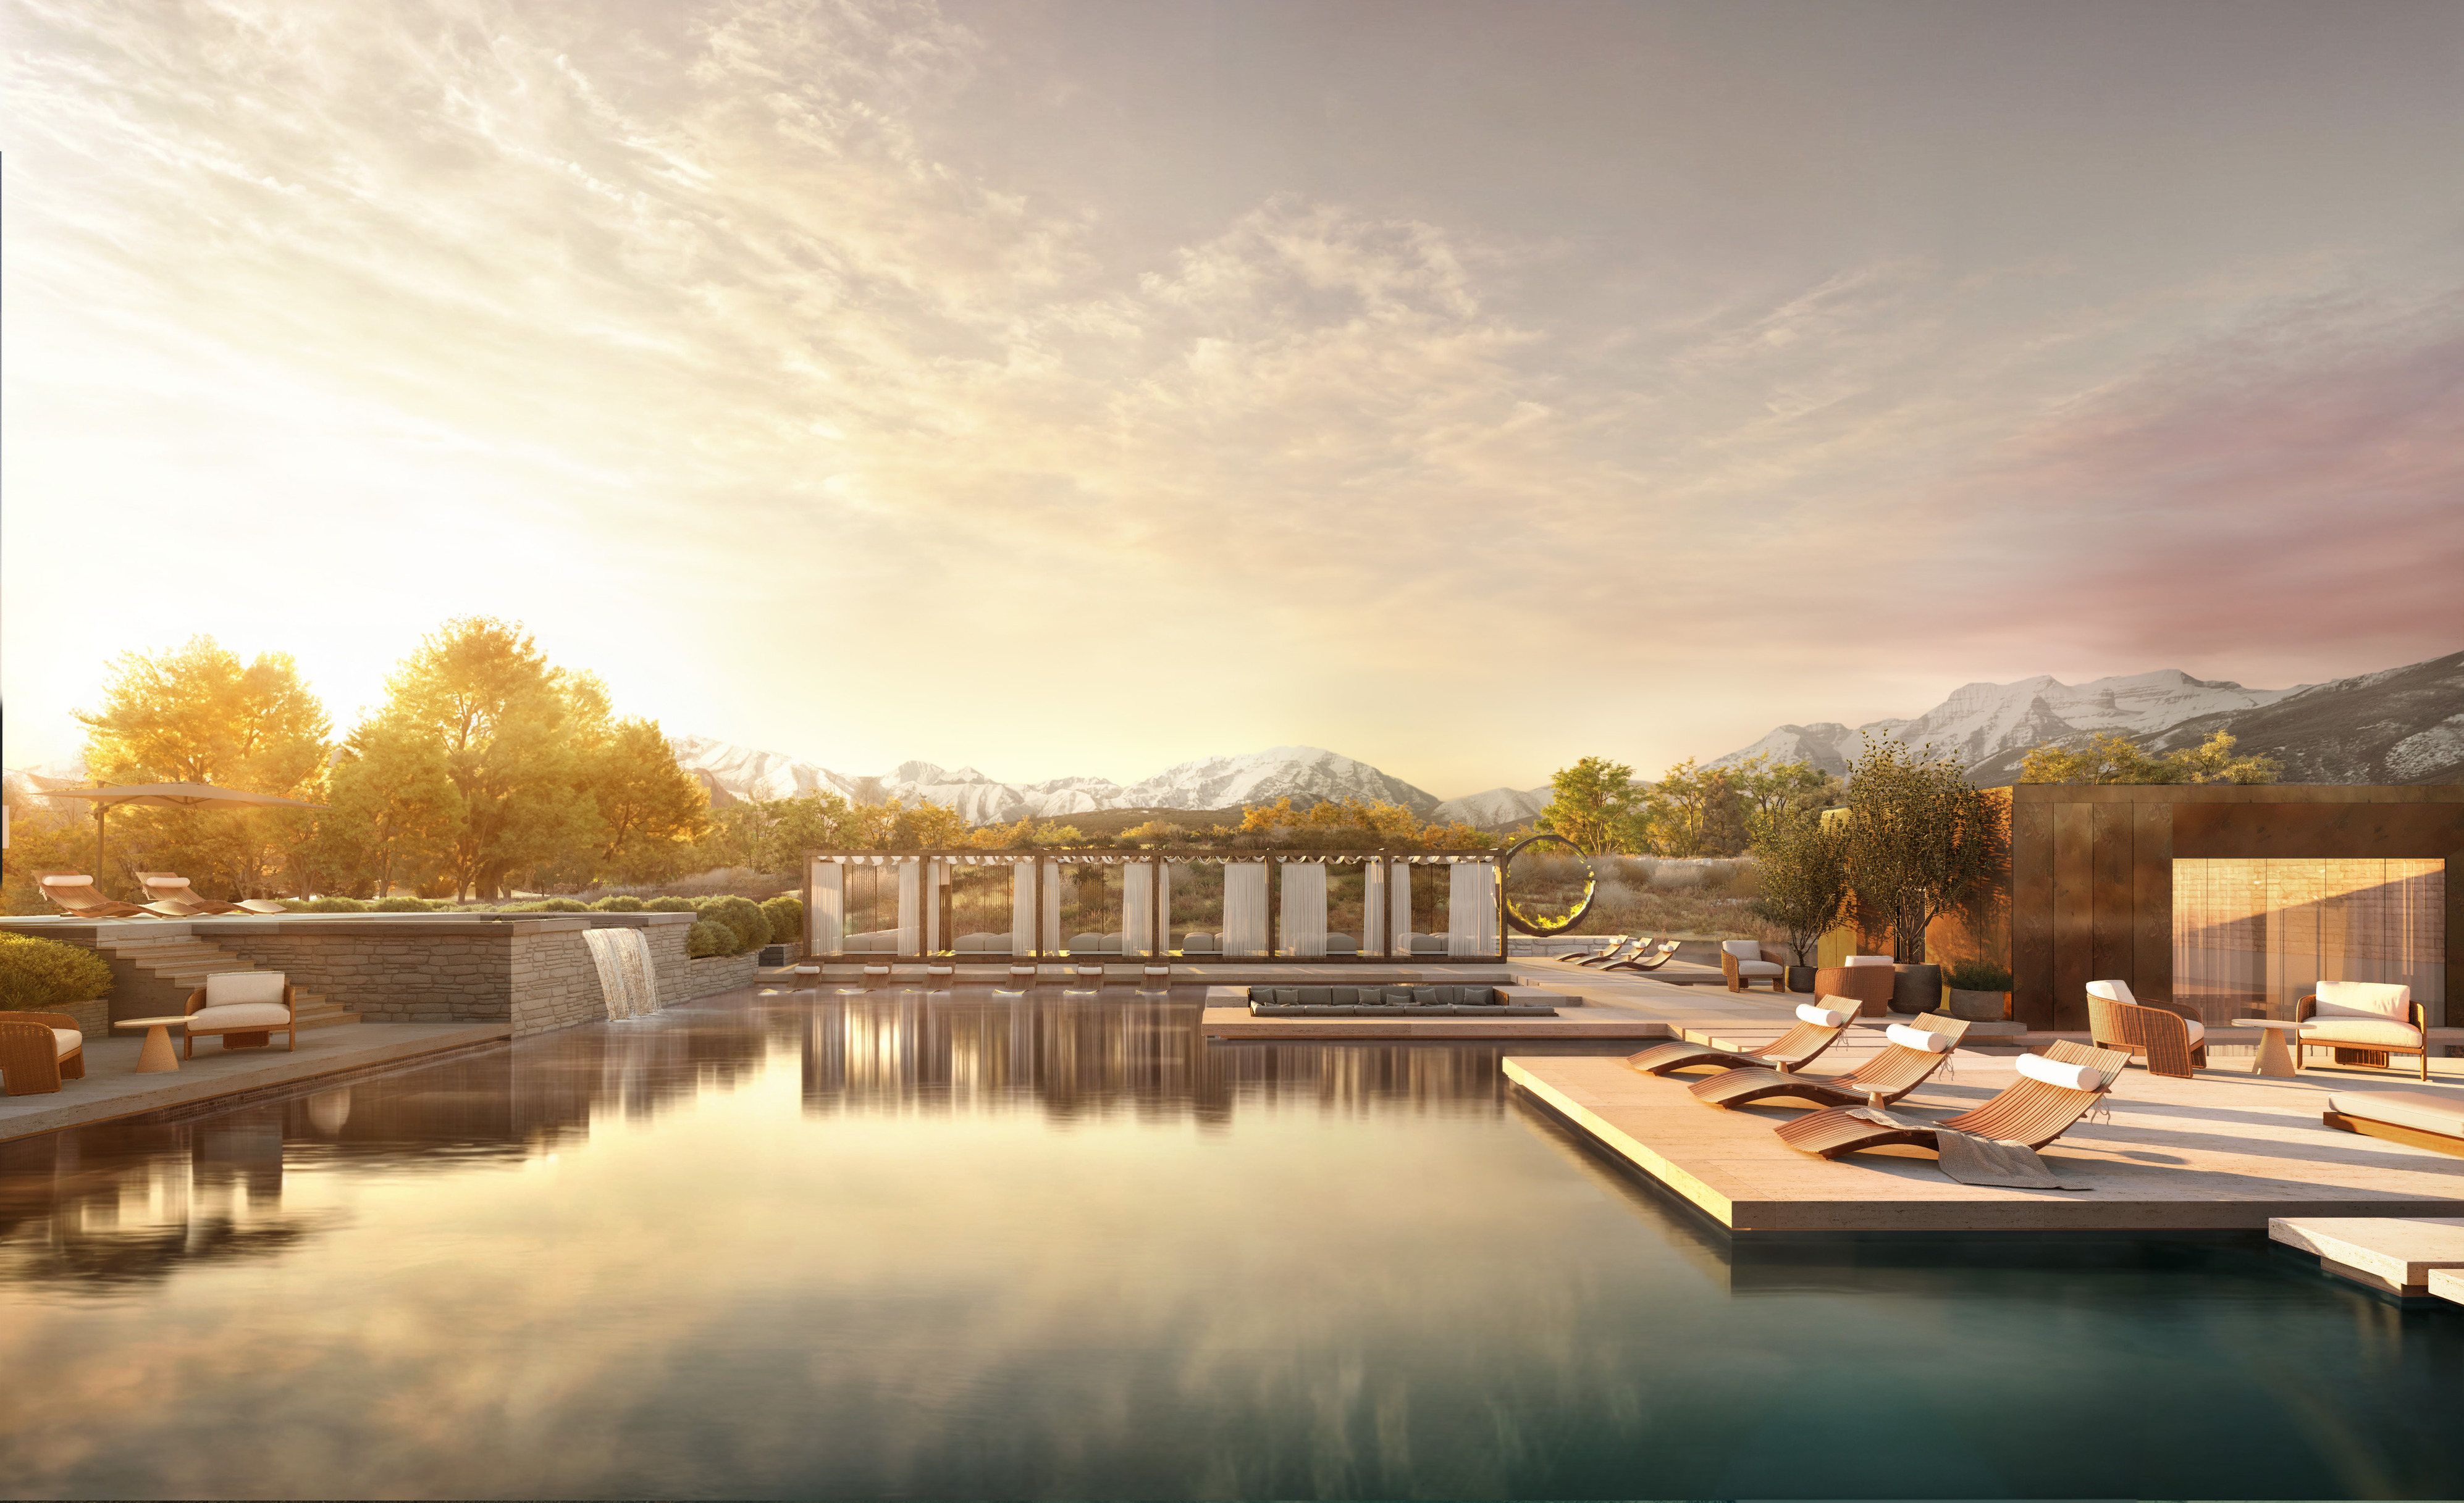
(2274, 1058)
(157, 1055)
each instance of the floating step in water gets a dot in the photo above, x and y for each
(2397, 1255)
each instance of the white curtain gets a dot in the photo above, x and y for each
(1164, 908)
(1305, 909)
(1373, 907)
(1245, 907)
(1137, 907)
(1021, 909)
(911, 904)
(1396, 940)
(1053, 939)
(1471, 909)
(826, 918)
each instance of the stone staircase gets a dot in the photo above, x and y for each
(153, 975)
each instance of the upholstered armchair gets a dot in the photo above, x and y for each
(2364, 1021)
(1868, 978)
(1744, 962)
(246, 1008)
(2168, 1033)
(39, 1051)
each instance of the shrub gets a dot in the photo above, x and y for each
(741, 915)
(39, 974)
(294, 904)
(619, 906)
(560, 905)
(670, 905)
(708, 937)
(336, 906)
(402, 905)
(1976, 975)
(786, 916)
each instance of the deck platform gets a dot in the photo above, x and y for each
(1227, 1016)
(2221, 1152)
(113, 1089)
(2448, 1283)
(2395, 1254)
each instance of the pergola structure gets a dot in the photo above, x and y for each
(1274, 906)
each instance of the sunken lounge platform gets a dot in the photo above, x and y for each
(1227, 1016)
(2223, 1151)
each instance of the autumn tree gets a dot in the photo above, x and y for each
(397, 812)
(501, 712)
(2110, 757)
(196, 715)
(1768, 793)
(1694, 811)
(1803, 862)
(650, 809)
(1598, 806)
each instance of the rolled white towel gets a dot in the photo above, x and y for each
(1924, 1038)
(1823, 1017)
(2053, 1071)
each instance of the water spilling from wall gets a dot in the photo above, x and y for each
(624, 974)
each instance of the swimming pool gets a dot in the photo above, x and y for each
(892, 1245)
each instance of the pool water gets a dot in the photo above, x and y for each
(892, 1245)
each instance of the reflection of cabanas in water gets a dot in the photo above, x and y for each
(1275, 906)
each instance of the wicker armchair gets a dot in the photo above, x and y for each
(2364, 1022)
(1870, 984)
(2169, 1035)
(34, 1057)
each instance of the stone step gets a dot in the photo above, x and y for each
(314, 1011)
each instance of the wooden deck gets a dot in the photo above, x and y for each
(2222, 1151)
(1236, 1023)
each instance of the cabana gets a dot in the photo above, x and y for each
(1096, 905)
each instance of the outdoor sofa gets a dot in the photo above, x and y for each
(1389, 1002)
(2418, 1118)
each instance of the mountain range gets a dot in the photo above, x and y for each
(2401, 726)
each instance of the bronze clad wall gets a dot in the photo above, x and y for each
(2092, 872)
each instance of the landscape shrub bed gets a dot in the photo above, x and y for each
(39, 974)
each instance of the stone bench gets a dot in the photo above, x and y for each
(2419, 1118)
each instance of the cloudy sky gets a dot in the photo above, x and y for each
(1079, 387)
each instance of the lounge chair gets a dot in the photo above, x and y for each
(2364, 1021)
(73, 894)
(1199, 942)
(1617, 947)
(2168, 1033)
(246, 1008)
(170, 896)
(2039, 1107)
(40, 1050)
(1744, 962)
(1911, 1052)
(1647, 958)
(1817, 1028)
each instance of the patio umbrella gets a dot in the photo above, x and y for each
(177, 796)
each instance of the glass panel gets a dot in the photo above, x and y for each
(2254, 937)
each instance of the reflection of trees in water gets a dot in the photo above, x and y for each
(134, 1200)
(1073, 1055)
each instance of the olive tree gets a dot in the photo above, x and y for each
(1804, 864)
(1919, 840)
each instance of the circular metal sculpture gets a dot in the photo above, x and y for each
(1516, 918)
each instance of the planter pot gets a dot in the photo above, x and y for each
(1979, 1006)
(1800, 978)
(1916, 988)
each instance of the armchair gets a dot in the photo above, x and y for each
(1744, 962)
(2364, 1021)
(39, 1051)
(2169, 1034)
(246, 1008)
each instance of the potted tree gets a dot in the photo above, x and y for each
(1919, 842)
(1979, 990)
(1804, 886)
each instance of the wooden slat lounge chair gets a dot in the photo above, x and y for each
(1618, 944)
(1647, 958)
(2174, 1041)
(1813, 1033)
(2032, 1113)
(170, 894)
(39, 1051)
(1899, 1069)
(73, 894)
(1626, 949)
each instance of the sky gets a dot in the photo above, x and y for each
(1075, 388)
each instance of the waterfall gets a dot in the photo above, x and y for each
(624, 974)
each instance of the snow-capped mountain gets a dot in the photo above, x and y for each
(1306, 774)
(1496, 808)
(2403, 726)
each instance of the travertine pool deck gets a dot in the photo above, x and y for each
(2394, 1253)
(113, 1089)
(2222, 1151)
